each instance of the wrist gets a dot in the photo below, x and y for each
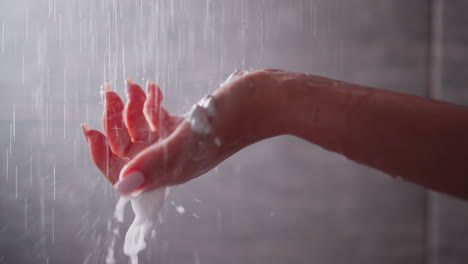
(316, 108)
(247, 110)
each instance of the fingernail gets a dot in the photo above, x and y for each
(130, 183)
(148, 84)
(84, 127)
(128, 82)
(106, 87)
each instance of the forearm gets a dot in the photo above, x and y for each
(418, 139)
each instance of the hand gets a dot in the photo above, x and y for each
(145, 123)
(153, 149)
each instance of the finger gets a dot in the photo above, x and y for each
(102, 156)
(152, 106)
(170, 122)
(163, 163)
(160, 121)
(113, 124)
(137, 125)
(167, 123)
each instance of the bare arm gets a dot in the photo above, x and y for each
(418, 139)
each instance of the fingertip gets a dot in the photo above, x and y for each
(132, 180)
(85, 128)
(154, 91)
(134, 119)
(134, 92)
(128, 85)
(113, 102)
(129, 183)
(106, 87)
(112, 98)
(149, 87)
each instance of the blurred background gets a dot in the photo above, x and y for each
(282, 200)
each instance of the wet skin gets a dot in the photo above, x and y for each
(420, 140)
(128, 129)
(162, 149)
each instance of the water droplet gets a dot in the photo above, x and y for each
(180, 209)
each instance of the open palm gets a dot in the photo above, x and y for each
(128, 130)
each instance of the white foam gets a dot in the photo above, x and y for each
(200, 114)
(119, 208)
(199, 121)
(146, 206)
(207, 103)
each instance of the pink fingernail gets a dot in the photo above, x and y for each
(130, 183)
(85, 128)
(148, 84)
(106, 87)
(128, 83)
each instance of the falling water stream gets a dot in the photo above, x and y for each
(55, 55)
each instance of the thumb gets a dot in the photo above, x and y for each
(161, 164)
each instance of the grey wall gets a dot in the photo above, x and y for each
(280, 201)
(447, 216)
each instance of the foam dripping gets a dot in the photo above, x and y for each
(146, 207)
